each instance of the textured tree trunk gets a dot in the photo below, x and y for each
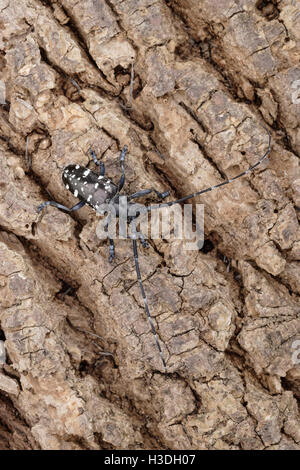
(188, 85)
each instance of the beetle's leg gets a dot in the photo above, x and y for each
(142, 239)
(143, 192)
(122, 159)
(77, 206)
(111, 250)
(134, 233)
(102, 169)
(111, 242)
(97, 162)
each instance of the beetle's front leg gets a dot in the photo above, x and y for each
(122, 159)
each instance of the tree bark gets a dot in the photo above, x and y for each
(190, 87)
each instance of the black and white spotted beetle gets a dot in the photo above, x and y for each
(96, 189)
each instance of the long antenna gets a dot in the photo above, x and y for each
(138, 274)
(206, 190)
(171, 203)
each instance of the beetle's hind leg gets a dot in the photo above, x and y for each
(140, 236)
(97, 162)
(77, 206)
(111, 250)
(110, 240)
(136, 235)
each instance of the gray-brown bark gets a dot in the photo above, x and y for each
(208, 75)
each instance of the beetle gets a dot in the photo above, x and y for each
(95, 189)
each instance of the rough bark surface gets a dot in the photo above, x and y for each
(82, 370)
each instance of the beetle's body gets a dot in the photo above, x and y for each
(95, 190)
(87, 186)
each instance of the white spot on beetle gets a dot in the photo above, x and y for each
(89, 198)
(96, 185)
(100, 177)
(77, 167)
(86, 172)
(67, 186)
(75, 193)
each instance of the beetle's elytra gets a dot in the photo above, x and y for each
(87, 186)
